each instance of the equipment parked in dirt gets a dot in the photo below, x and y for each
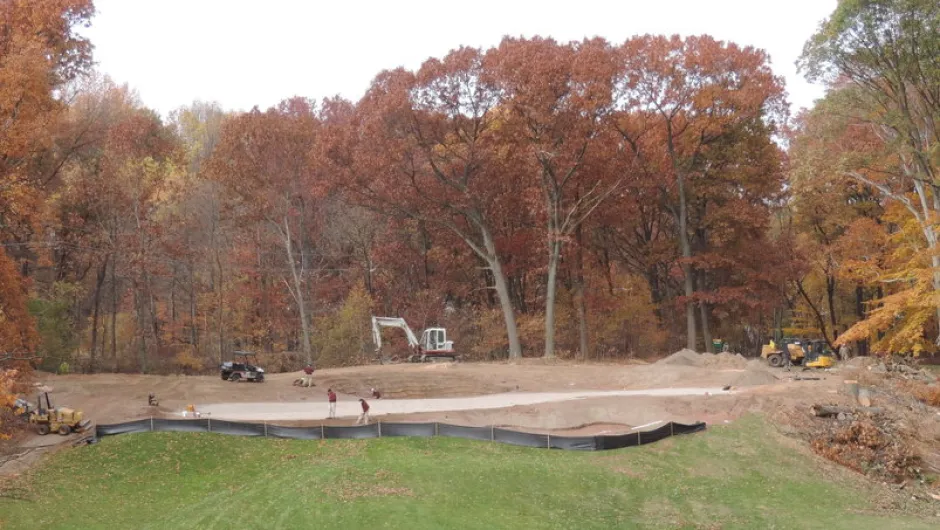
(60, 419)
(244, 367)
(433, 345)
(808, 353)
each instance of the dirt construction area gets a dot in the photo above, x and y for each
(895, 436)
(533, 395)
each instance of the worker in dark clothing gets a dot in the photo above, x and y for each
(331, 396)
(786, 356)
(364, 417)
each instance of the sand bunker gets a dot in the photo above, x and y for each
(316, 411)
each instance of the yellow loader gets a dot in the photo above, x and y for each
(62, 420)
(808, 353)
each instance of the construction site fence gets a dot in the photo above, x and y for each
(380, 429)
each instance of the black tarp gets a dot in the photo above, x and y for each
(122, 428)
(524, 439)
(467, 433)
(573, 443)
(375, 430)
(294, 433)
(236, 428)
(354, 433)
(615, 441)
(408, 429)
(679, 428)
(161, 425)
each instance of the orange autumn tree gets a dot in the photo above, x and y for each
(557, 97)
(881, 56)
(826, 213)
(39, 53)
(697, 114)
(423, 146)
(262, 162)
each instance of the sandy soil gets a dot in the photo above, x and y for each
(530, 394)
(317, 409)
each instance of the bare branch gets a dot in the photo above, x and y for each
(887, 192)
(13, 356)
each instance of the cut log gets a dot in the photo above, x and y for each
(828, 411)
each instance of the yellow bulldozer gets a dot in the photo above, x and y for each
(808, 353)
(62, 420)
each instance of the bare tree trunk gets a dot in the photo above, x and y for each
(581, 309)
(114, 315)
(819, 317)
(141, 331)
(102, 272)
(502, 293)
(706, 329)
(830, 298)
(192, 307)
(298, 293)
(550, 291)
(686, 248)
(935, 261)
(220, 302)
(152, 309)
(173, 303)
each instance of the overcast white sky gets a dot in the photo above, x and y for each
(246, 53)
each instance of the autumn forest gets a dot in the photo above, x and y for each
(588, 199)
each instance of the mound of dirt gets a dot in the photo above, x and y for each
(683, 357)
(725, 360)
(860, 362)
(754, 377)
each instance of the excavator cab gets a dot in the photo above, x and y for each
(435, 339)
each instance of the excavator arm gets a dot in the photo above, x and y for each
(391, 322)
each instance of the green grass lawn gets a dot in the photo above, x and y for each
(740, 476)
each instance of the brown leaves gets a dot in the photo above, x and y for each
(869, 448)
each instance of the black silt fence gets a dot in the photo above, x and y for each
(380, 430)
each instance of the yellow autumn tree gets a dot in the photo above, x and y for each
(343, 337)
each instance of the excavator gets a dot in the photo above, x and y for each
(432, 346)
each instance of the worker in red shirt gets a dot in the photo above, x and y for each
(364, 417)
(308, 376)
(331, 396)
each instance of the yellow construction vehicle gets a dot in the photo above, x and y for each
(808, 353)
(59, 419)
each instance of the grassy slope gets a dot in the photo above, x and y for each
(740, 476)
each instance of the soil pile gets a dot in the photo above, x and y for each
(754, 377)
(683, 357)
(725, 360)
